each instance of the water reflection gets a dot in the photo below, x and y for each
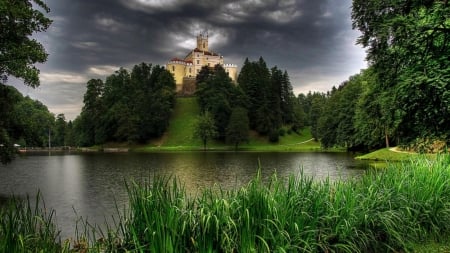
(91, 183)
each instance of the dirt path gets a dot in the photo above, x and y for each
(397, 150)
(299, 142)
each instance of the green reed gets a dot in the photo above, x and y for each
(383, 211)
(27, 227)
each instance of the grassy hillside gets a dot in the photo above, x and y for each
(179, 135)
(182, 124)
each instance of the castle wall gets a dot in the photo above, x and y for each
(185, 70)
(178, 69)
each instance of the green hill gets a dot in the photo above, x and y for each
(179, 135)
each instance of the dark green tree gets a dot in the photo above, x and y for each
(408, 43)
(316, 108)
(238, 127)
(205, 128)
(18, 51)
(59, 136)
(218, 95)
(91, 114)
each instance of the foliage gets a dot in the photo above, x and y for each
(238, 127)
(23, 121)
(218, 95)
(25, 227)
(408, 45)
(19, 52)
(271, 102)
(205, 129)
(336, 124)
(131, 107)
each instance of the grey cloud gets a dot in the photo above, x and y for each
(311, 39)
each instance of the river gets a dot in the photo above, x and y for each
(91, 184)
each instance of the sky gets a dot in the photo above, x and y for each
(312, 40)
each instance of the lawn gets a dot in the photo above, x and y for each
(179, 135)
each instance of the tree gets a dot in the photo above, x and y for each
(205, 128)
(128, 107)
(59, 136)
(18, 52)
(408, 45)
(238, 127)
(315, 112)
(218, 95)
(91, 113)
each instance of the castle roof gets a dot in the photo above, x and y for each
(206, 52)
(180, 60)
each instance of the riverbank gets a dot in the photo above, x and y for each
(378, 212)
(387, 154)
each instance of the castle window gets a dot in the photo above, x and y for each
(190, 70)
(173, 68)
(198, 61)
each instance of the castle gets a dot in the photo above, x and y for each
(185, 70)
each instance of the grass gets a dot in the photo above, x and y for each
(393, 210)
(179, 135)
(386, 154)
(27, 227)
(388, 211)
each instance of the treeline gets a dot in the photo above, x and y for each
(358, 116)
(403, 98)
(128, 107)
(28, 123)
(264, 98)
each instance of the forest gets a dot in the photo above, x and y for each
(402, 98)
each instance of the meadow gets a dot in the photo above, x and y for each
(179, 135)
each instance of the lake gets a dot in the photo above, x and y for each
(92, 183)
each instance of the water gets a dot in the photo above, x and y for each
(92, 184)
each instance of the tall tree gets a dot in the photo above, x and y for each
(238, 127)
(205, 128)
(91, 113)
(218, 95)
(408, 45)
(59, 137)
(18, 51)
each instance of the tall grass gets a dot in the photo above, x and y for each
(384, 211)
(28, 227)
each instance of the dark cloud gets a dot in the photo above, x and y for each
(312, 40)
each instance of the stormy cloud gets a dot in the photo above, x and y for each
(312, 40)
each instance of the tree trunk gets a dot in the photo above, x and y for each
(386, 137)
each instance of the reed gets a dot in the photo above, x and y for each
(384, 211)
(28, 227)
